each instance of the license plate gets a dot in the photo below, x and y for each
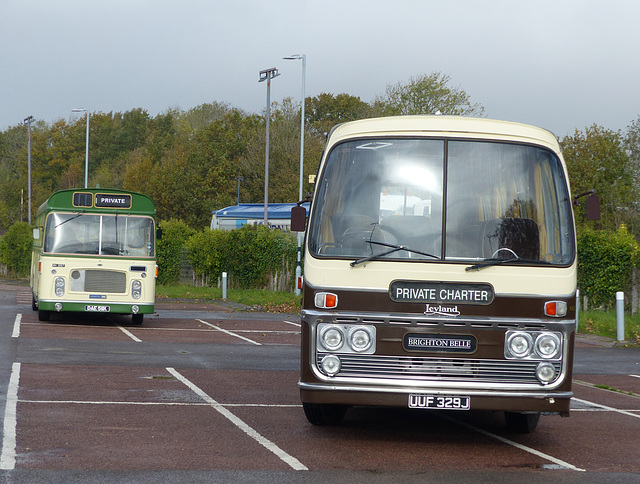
(441, 402)
(97, 309)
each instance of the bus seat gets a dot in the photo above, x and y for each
(520, 235)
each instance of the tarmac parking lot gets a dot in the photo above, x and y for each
(209, 394)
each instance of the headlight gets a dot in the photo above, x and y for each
(519, 345)
(332, 338)
(346, 338)
(545, 373)
(547, 345)
(533, 345)
(136, 289)
(360, 339)
(330, 364)
(59, 286)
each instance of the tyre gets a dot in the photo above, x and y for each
(324, 414)
(522, 423)
(43, 315)
(137, 319)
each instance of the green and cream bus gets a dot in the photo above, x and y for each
(439, 270)
(94, 251)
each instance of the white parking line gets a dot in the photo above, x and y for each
(8, 457)
(156, 404)
(605, 407)
(635, 376)
(291, 322)
(266, 443)
(548, 457)
(230, 332)
(16, 326)
(129, 334)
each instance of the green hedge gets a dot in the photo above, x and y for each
(250, 255)
(605, 262)
(174, 236)
(15, 250)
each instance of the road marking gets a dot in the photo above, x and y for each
(8, 457)
(129, 334)
(605, 407)
(158, 404)
(548, 457)
(16, 326)
(229, 332)
(291, 322)
(635, 376)
(266, 443)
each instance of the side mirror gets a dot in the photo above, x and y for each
(158, 233)
(36, 234)
(298, 219)
(593, 207)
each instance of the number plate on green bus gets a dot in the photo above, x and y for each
(97, 309)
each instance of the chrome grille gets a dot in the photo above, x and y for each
(421, 368)
(92, 280)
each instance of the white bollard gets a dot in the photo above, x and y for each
(224, 286)
(620, 315)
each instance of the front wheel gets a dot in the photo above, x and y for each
(43, 315)
(522, 423)
(323, 413)
(137, 319)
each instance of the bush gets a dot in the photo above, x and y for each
(169, 250)
(251, 256)
(15, 249)
(605, 262)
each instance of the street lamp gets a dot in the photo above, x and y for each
(28, 120)
(240, 179)
(302, 57)
(267, 75)
(86, 154)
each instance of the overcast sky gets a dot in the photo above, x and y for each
(559, 64)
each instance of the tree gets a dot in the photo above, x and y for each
(596, 159)
(324, 111)
(426, 94)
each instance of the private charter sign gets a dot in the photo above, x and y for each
(440, 292)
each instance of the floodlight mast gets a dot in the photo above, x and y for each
(28, 120)
(302, 57)
(267, 75)
(86, 154)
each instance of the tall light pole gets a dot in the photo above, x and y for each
(86, 154)
(267, 75)
(302, 57)
(28, 120)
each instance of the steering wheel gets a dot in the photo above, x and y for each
(506, 249)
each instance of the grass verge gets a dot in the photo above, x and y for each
(603, 323)
(271, 301)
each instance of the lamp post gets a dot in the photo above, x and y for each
(267, 75)
(28, 120)
(240, 179)
(302, 57)
(86, 154)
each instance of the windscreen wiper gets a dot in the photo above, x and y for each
(497, 262)
(81, 212)
(393, 248)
